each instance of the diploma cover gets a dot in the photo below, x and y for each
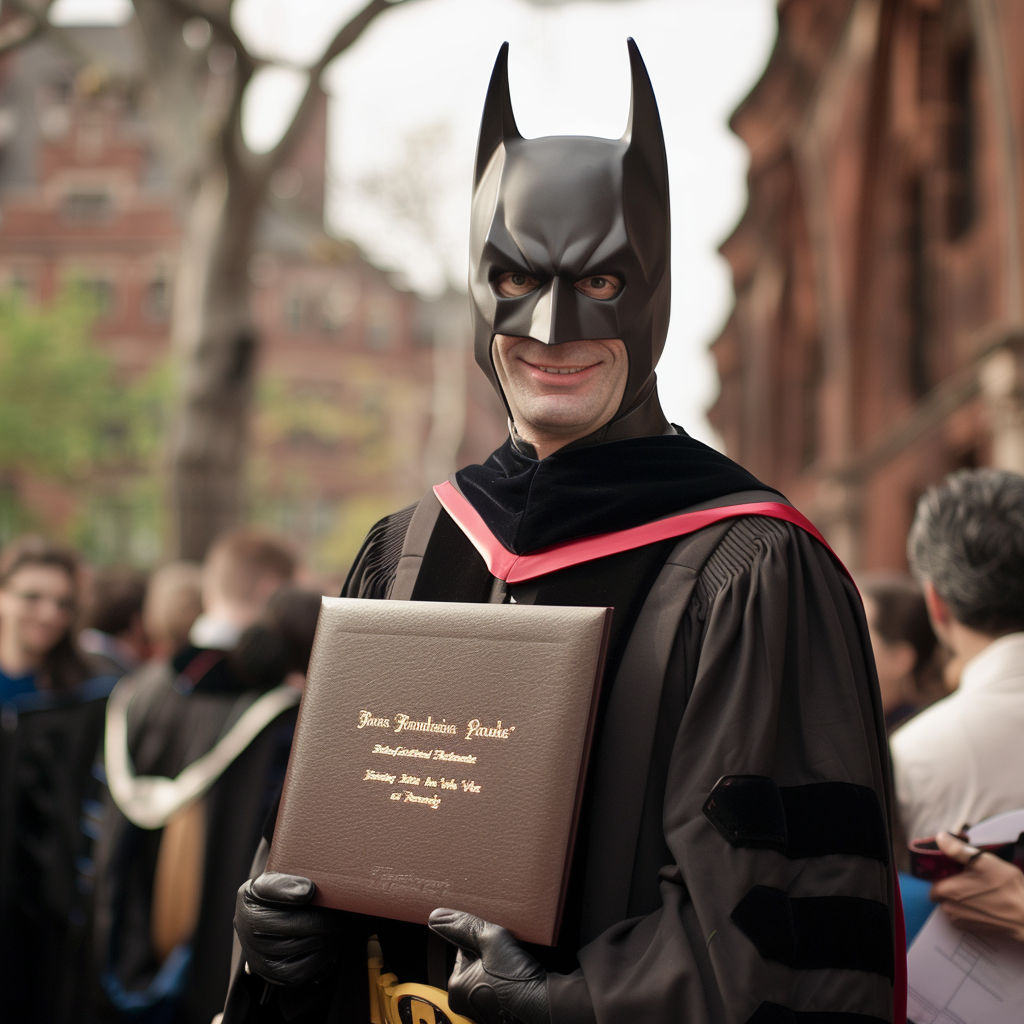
(440, 757)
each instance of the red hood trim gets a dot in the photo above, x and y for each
(899, 989)
(513, 568)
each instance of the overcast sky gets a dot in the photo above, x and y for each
(409, 95)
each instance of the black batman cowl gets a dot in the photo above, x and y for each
(563, 208)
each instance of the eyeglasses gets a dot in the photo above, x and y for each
(64, 604)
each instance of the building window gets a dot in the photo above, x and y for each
(157, 305)
(295, 312)
(809, 425)
(101, 291)
(339, 305)
(87, 206)
(20, 284)
(919, 371)
(961, 192)
(380, 323)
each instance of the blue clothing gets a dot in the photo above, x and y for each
(917, 908)
(14, 686)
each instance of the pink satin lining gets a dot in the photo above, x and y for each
(514, 568)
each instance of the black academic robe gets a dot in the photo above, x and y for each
(738, 651)
(49, 815)
(179, 712)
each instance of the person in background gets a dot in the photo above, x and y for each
(277, 648)
(168, 867)
(907, 653)
(53, 708)
(988, 896)
(243, 568)
(962, 760)
(174, 600)
(114, 633)
(39, 592)
(276, 651)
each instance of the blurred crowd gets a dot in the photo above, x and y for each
(147, 721)
(146, 726)
(949, 651)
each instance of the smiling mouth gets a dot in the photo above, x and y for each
(562, 369)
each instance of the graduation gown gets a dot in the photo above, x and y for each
(49, 817)
(734, 862)
(178, 713)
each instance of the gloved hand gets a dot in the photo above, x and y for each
(283, 939)
(495, 980)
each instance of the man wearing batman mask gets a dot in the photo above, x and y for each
(734, 857)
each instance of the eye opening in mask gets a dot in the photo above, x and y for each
(599, 286)
(513, 284)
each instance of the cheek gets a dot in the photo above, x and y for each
(500, 359)
(621, 375)
(36, 624)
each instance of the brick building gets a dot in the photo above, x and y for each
(352, 420)
(877, 341)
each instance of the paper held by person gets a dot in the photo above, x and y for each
(962, 977)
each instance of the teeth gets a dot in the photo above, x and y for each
(556, 369)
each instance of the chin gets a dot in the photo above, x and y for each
(564, 417)
(41, 646)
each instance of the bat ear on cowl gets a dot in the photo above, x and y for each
(498, 124)
(644, 136)
(645, 171)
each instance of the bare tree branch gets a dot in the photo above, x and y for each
(222, 29)
(18, 30)
(26, 25)
(346, 36)
(349, 33)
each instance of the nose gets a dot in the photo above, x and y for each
(555, 318)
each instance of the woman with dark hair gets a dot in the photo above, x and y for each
(39, 590)
(907, 653)
(51, 713)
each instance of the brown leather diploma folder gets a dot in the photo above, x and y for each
(439, 759)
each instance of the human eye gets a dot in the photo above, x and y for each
(599, 286)
(515, 283)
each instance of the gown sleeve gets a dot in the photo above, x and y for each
(373, 571)
(773, 901)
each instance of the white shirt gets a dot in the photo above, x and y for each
(214, 634)
(962, 760)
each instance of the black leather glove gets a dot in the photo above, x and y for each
(283, 939)
(495, 980)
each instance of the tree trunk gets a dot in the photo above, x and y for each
(215, 343)
(195, 97)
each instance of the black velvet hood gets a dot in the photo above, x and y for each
(580, 491)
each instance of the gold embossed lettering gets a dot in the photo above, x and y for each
(403, 723)
(447, 755)
(433, 802)
(498, 732)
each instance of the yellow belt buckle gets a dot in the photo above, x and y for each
(411, 1003)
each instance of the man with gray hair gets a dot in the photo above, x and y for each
(962, 760)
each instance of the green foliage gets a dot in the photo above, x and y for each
(67, 420)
